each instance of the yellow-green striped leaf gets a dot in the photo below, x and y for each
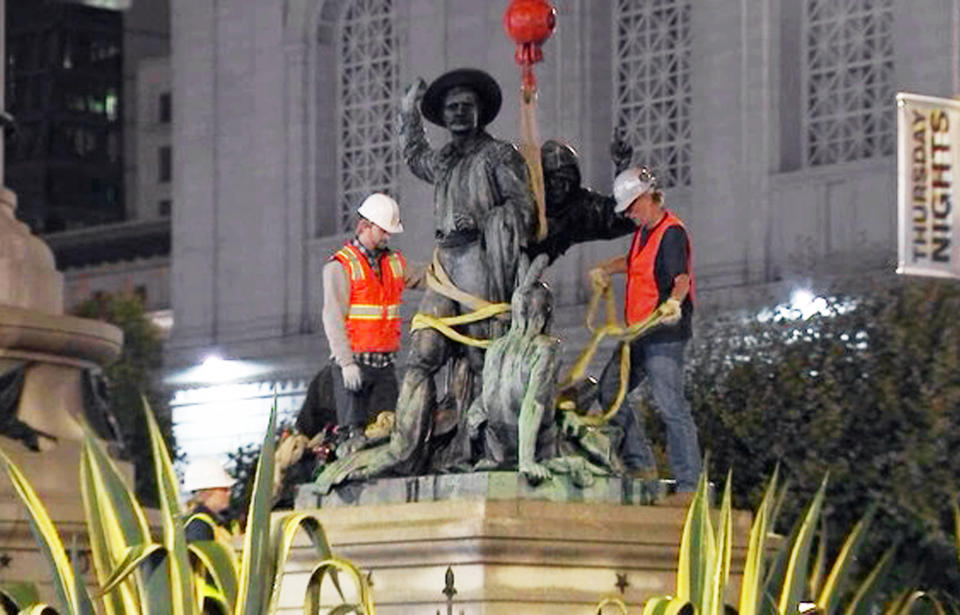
(861, 602)
(956, 526)
(84, 604)
(38, 609)
(180, 600)
(819, 567)
(829, 597)
(713, 604)
(64, 581)
(751, 586)
(115, 521)
(219, 560)
(697, 547)
(287, 529)
(906, 605)
(257, 567)
(312, 602)
(133, 557)
(668, 605)
(656, 605)
(20, 593)
(795, 576)
(620, 605)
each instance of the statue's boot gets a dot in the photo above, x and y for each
(355, 465)
(413, 422)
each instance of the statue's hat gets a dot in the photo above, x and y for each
(477, 80)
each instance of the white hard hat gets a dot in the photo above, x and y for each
(206, 473)
(631, 184)
(382, 211)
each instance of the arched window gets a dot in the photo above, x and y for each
(652, 84)
(368, 76)
(847, 81)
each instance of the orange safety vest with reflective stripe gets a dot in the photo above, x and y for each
(643, 294)
(373, 318)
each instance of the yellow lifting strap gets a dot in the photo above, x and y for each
(439, 281)
(611, 328)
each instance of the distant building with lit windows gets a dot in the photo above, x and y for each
(88, 84)
(64, 87)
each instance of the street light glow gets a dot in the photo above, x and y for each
(216, 369)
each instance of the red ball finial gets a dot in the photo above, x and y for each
(529, 23)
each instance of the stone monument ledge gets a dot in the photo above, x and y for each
(509, 547)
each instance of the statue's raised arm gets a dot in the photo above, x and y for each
(417, 152)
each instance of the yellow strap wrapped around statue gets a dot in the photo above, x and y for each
(439, 281)
(445, 324)
(611, 328)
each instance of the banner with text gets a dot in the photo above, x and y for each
(928, 150)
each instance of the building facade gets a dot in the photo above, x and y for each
(771, 123)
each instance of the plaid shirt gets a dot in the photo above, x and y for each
(372, 256)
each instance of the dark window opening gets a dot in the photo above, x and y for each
(165, 108)
(166, 164)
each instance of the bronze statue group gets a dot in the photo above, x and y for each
(481, 389)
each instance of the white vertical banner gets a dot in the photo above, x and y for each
(928, 152)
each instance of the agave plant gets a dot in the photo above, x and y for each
(789, 584)
(139, 575)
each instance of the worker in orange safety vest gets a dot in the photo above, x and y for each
(362, 287)
(659, 269)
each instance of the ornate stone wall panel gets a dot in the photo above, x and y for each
(368, 88)
(652, 84)
(848, 80)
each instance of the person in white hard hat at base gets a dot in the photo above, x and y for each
(362, 287)
(209, 486)
(659, 268)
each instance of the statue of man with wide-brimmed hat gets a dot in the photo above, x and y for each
(484, 217)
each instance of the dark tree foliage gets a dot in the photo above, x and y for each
(869, 391)
(130, 376)
(243, 467)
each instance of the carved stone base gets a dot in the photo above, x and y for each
(512, 555)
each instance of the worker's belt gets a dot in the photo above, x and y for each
(455, 239)
(375, 359)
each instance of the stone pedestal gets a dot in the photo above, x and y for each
(28, 277)
(519, 554)
(52, 349)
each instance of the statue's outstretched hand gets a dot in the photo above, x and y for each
(620, 151)
(411, 98)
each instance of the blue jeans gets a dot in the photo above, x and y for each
(662, 363)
